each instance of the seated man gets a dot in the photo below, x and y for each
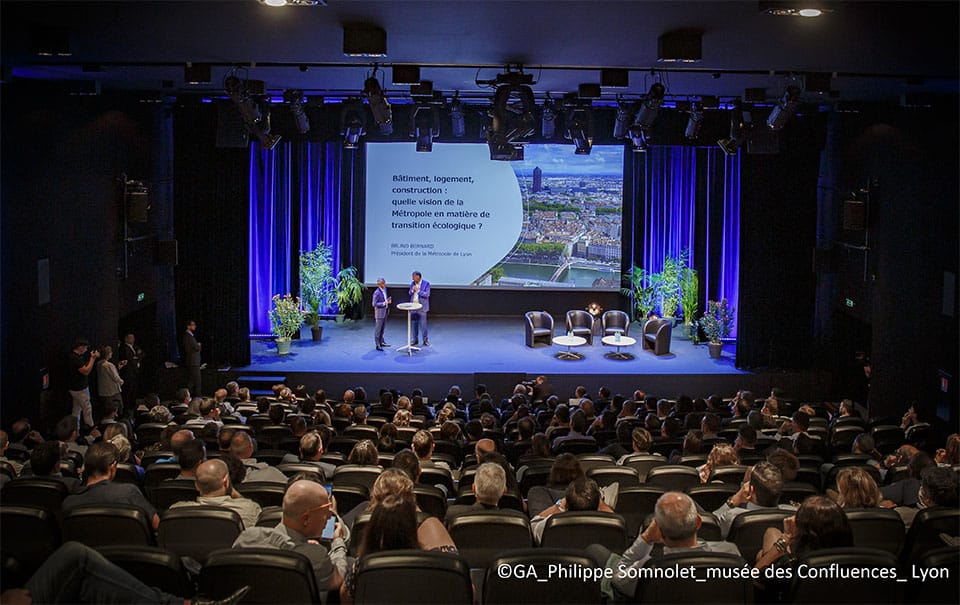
(489, 485)
(100, 467)
(582, 495)
(209, 413)
(675, 525)
(67, 433)
(311, 449)
(761, 488)
(939, 487)
(192, 453)
(578, 429)
(241, 446)
(213, 483)
(423, 447)
(306, 510)
(45, 464)
(640, 442)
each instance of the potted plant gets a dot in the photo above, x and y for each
(285, 320)
(317, 285)
(349, 291)
(689, 293)
(668, 284)
(642, 288)
(717, 323)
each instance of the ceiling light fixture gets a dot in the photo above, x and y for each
(426, 126)
(458, 122)
(741, 123)
(256, 121)
(294, 99)
(650, 106)
(512, 116)
(623, 121)
(379, 106)
(578, 127)
(352, 124)
(548, 120)
(784, 109)
(694, 122)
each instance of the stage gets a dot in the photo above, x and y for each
(491, 350)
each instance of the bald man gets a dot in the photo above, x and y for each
(306, 510)
(675, 525)
(484, 446)
(241, 446)
(213, 483)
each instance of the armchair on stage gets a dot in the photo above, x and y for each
(539, 327)
(656, 335)
(615, 321)
(580, 323)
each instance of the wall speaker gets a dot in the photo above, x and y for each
(854, 215)
(167, 253)
(231, 131)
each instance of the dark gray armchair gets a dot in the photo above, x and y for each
(615, 321)
(539, 327)
(656, 335)
(580, 323)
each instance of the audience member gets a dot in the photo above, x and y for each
(100, 467)
(241, 446)
(761, 488)
(581, 495)
(213, 484)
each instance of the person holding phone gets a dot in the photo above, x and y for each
(109, 382)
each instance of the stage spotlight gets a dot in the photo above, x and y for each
(694, 121)
(458, 124)
(650, 106)
(512, 120)
(578, 130)
(352, 124)
(638, 136)
(256, 121)
(548, 121)
(594, 309)
(622, 123)
(379, 106)
(294, 99)
(426, 126)
(783, 110)
(741, 123)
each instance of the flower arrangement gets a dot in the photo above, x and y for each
(717, 321)
(285, 316)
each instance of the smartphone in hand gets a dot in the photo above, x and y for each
(328, 529)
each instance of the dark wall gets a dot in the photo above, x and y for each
(62, 159)
(913, 239)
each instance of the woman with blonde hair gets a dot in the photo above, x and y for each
(856, 489)
(949, 455)
(402, 418)
(722, 454)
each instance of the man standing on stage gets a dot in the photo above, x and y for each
(130, 373)
(81, 364)
(420, 293)
(381, 306)
(190, 354)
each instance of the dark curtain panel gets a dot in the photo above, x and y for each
(777, 281)
(299, 195)
(689, 198)
(210, 218)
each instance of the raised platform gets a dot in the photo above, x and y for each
(471, 350)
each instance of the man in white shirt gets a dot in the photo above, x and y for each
(213, 483)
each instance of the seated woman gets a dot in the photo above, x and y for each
(395, 523)
(722, 454)
(855, 489)
(364, 452)
(819, 523)
(566, 468)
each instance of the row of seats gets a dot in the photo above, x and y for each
(517, 574)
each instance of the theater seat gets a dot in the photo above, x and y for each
(615, 321)
(580, 323)
(274, 576)
(683, 590)
(624, 476)
(582, 528)
(47, 494)
(108, 525)
(431, 500)
(538, 327)
(29, 534)
(197, 531)
(385, 578)
(643, 463)
(924, 533)
(656, 336)
(937, 588)
(153, 566)
(169, 492)
(818, 584)
(356, 474)
(634, 504)
(673, 477)
(711, 496)
(481, 536)
(349, 496)
(880, 528)
(263, 493)
(500, 590)
(748, 528)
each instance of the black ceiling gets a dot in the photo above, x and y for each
(873, 50)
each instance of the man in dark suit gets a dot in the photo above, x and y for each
(190, 355)
(420, 292)
(381, 307)
(130, 372)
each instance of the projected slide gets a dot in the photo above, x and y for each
(551, 221)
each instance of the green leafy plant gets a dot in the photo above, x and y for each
(668, 283)
(642, 288)
(285, 316)
(689, 293)
(317, 282)
(349, 289)
(717, 321)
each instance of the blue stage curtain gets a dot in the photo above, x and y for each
(690, 199)
(301, 193)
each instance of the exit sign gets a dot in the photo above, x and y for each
(849, 302)
(141, 297)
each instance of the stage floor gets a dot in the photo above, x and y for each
(470, 345)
